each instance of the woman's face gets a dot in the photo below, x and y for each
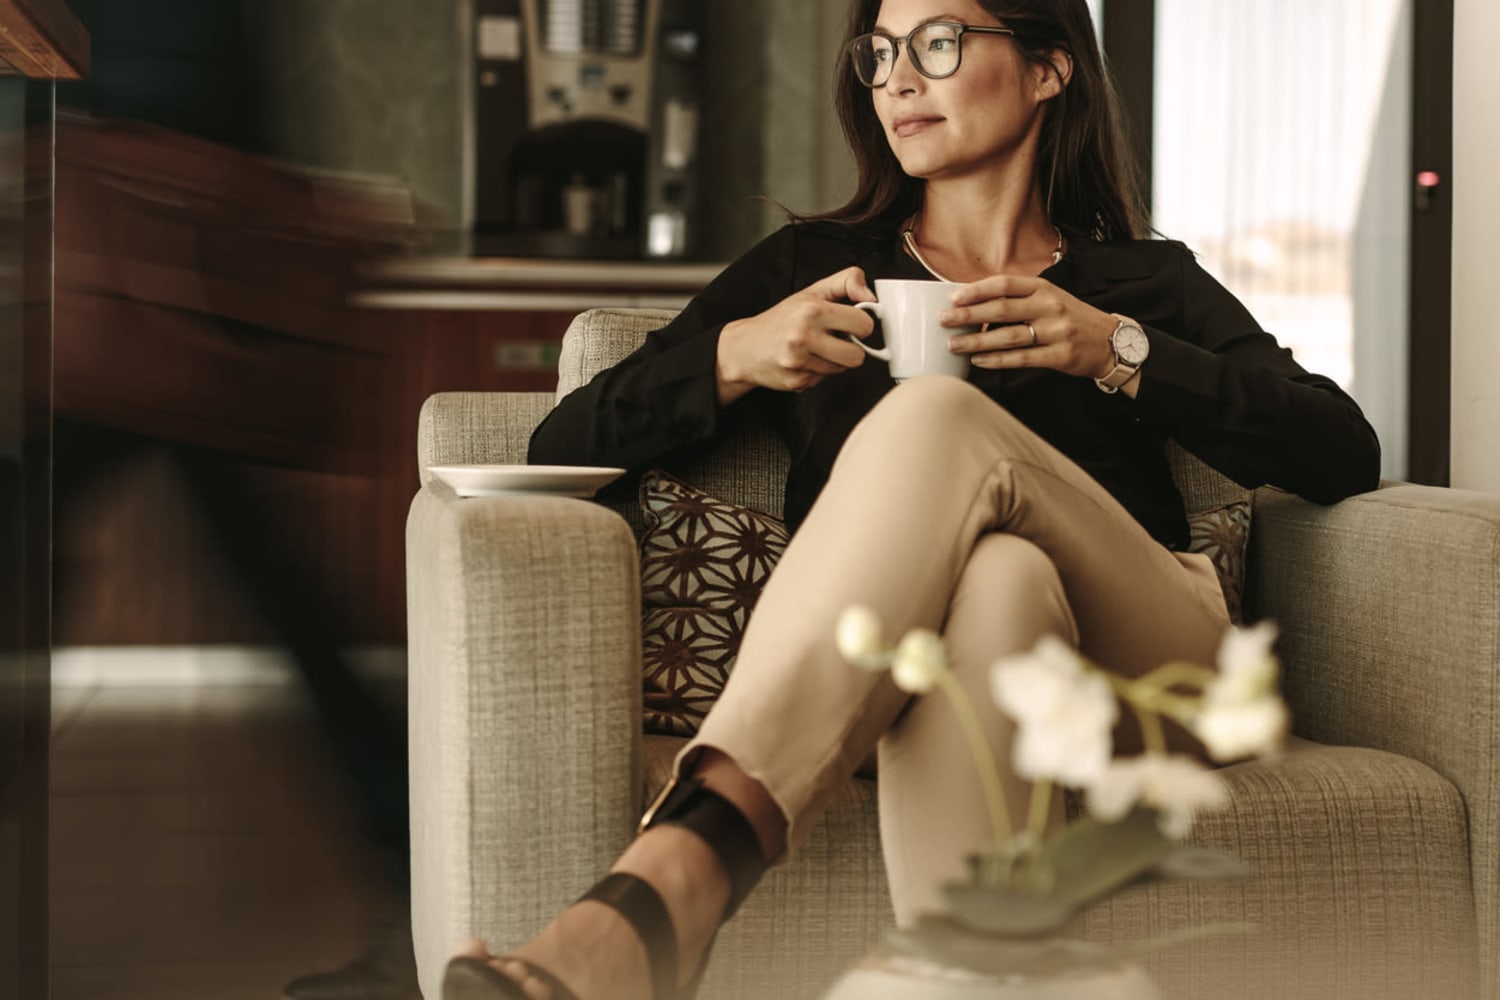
(973, 121)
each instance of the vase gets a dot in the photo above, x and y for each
(888, 975)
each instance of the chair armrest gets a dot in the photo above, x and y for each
(487, 428)
(524, 708)
(1389, 608)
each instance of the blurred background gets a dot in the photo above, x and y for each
(259, 233)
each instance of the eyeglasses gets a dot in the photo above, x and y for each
(935, 48)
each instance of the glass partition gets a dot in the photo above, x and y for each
(25, 528)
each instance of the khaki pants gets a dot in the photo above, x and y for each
(944, 511)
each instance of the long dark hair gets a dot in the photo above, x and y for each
(1090, 181)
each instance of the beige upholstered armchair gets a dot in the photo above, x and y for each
(1375, 838)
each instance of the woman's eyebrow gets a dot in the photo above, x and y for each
(926, 20)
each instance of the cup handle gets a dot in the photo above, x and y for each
(883, 353)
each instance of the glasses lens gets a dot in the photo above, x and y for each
(934, 49)
(872, 56)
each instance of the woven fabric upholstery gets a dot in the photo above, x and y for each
(1377, 860)
(477, 428)
(524, 706)
(1389, 605)
(1322, 827)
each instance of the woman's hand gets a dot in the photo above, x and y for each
(798, 342)
(1071, 336)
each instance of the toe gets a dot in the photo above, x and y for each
(520, 973)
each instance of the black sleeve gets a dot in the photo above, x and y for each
(664, 397)
(1231, 395)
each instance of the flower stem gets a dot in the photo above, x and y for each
(1041, 808)
(1153, 735)
(1171, 674)
(989, 773)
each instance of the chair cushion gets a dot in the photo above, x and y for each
(703, 565)
(1223, 534)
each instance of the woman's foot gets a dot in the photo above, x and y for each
(706, 843)
(596, 953)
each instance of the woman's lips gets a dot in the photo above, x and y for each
(911, 126)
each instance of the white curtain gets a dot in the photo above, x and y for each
(1282, 144)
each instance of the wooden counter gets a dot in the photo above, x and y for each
(42, 39)
(514, 284)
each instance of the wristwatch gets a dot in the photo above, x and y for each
(1131, 347)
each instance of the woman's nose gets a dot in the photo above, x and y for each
(904, 77)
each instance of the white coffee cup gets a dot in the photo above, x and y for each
(915, 342)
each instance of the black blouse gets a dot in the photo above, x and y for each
(1215, 382)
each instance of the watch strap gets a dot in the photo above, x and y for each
(1123, 370)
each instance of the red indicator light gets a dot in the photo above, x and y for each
(1428, 179)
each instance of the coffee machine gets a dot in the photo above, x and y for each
(585, 128)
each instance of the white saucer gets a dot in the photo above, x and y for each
(508, 480)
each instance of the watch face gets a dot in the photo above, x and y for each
(1131, 344)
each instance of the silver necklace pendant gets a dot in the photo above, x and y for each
(909, 237)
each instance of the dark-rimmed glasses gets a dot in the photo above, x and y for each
(935, 48)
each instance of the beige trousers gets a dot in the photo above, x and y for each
(944, 511)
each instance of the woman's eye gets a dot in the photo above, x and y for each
(937, 45)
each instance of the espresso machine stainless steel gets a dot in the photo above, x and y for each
(585, 127)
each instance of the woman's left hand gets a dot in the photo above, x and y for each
(1071, 336)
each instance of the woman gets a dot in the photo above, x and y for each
(1032, 498)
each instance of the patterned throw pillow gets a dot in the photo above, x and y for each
(703, 565)
(1223, 534)
(705, 561)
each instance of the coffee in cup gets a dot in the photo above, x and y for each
(915, 342)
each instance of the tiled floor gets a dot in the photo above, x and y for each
(202, 844)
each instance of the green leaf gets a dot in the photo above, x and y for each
(1090, 859)
(994, 909)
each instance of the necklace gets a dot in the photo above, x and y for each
(909, 237)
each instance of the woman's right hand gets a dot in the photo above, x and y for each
(799, 341)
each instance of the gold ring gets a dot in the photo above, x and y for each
(1033, 334)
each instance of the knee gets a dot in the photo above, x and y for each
(1011, 591)
(939, 400)
(928, 413)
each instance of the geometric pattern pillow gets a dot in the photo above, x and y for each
(1223, 534)
(704, 563)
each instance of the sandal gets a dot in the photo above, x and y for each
(686, 804)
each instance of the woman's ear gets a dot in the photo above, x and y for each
(1056, 75)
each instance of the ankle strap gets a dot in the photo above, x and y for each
(635, 900)
(689, 804)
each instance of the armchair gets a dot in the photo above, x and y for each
(1375, 837)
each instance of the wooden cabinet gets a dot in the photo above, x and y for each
(165, 545)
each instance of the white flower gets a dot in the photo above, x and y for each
(1176, 787)
(1249, 729)
(1242, 715)
(1064, 710)
(860, 637)
(920, 660)
(1247, 666)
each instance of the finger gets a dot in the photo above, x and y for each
(797, 381)
(1015, 336)
(822, 366)
(847, 285)
(995, 312)
(1048, 356)
(997, 286)
(835, 349)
